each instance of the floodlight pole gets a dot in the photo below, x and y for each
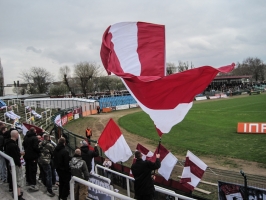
(245, 184)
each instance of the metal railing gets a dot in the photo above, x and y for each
(157, 188)
(13, 172)
(97, 187)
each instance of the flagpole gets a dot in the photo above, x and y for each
(159, 145)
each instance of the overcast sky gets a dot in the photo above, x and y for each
(54, 33)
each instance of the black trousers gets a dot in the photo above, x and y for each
(64, 178)
(9, 175)
(144, 197)
(31, 171)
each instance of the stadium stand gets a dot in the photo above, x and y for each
(113, 101)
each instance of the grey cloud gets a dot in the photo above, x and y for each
(33, 49)
(204, 32)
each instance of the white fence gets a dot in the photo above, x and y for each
(13, 172)
(97, 187)
(157, 188)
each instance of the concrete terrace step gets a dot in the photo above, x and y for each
(40, 195)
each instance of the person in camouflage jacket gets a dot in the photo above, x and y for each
(46, 155)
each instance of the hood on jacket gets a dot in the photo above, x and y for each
(8, 141)
(84, 149)
(59, 147)
(30, 134)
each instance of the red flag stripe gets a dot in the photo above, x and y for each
(109, 136)
(181, 87)
(162, 151)
(142, 149)
(151, 49)
(187, 185)
(194, 169)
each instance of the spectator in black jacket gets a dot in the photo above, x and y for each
(3, 173)
(142, 172)
(80, 170)
(87, 155)
(7, 136)
(13, 151)
(32, 151)
(61, 164)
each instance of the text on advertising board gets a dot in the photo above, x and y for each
(251, 127)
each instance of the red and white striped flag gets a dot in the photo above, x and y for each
(145, 154)
(135, 51)
(168, 160)
(113, 143)
(26, 127)
(193, 171)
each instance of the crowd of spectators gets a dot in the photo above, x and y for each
(54, 162)
(233, 87)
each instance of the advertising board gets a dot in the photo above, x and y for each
(122, 107)
(103, 182)
(64, 120)
(70, 116)
(201, 98)
(232, 191)
(251, 127)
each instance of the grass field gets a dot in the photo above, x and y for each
(210, 129)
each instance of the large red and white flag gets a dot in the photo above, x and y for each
(193, 171)
(135, 51)
(113, 143)
(168, 160)
(26, 127)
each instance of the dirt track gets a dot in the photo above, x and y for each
(224, 163)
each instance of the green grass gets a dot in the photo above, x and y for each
(209, 128)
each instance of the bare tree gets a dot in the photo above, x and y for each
(171, 68)
(183, 66)
(65, 76)
(57, 90)
(85, 72)
(251, 66)
(37, 77)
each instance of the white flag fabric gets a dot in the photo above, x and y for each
(57, 120)
(168, 160)
(193, 171)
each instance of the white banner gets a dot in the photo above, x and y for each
(214, 97)
(122, 107)
(134, 105)
(76, 116)
(201, 98)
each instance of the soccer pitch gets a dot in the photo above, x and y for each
(210, 128)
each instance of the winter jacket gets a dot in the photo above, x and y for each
(7, 136)
(47, 150)
(142, 171)
(61, 158)
(31, 146)
(11, 149)
(79, 168)
(2, 142)
(87, 155)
